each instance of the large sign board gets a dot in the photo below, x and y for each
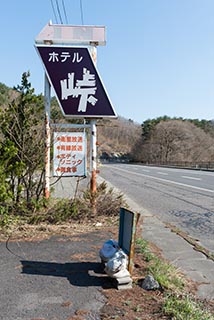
(69, 154)
(77, 84)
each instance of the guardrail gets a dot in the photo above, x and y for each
(185, 164)
(172, 164)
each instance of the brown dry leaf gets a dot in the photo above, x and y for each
(75, 318)
(82, 312)
(66, 304)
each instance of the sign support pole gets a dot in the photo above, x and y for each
(47, 91)
(93, 52)
(93, 163)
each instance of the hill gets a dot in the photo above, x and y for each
(159, 140)
(175, 141)
(116, 138)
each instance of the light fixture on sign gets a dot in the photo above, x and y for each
(66, 34)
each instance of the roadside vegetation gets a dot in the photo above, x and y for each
(21, 151)
(179, 303)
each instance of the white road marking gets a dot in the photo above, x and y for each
(163, 173)
(192, 178)
(165, 180)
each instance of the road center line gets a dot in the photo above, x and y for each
(192, 178)
(163, 173)
(165, 180)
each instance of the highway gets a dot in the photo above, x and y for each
(183, 198)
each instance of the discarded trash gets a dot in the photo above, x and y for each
(109, 248)
(98, 224)
(116, 263)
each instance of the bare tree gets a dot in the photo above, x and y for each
(176, 141)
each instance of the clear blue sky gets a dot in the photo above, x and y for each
(159, 57)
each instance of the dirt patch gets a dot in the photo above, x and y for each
(27, 232)
(137, 303)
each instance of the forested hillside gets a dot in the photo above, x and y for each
(116, 138)
(165, 140)
(159, 140)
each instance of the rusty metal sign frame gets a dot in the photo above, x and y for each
(87, 36)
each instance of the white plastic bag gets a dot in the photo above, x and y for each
(118, 262)
(108, 250)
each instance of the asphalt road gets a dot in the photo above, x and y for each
(183, 198)
(52, 279)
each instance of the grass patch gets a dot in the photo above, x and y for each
(185, 308)
(142, 246)
(166, 274)
(177, 303)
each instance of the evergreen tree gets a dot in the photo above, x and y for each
(22, 147)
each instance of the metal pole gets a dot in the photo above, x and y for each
(93, 156)
(136, 218)
(47, 95)
(93, 146)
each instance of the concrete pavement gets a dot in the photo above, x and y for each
(195, 265)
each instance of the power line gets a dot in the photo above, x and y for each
(63, 5)
(54, 11)
(81, 9)
(64, 11)
(59, 13)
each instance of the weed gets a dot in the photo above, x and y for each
(61, 211)
(178, 306)
(107, 201)
(6, 219)
(185, 308)
(137, 309)
(127, 303)
(166, 274)
(108, 204)
(142, 247)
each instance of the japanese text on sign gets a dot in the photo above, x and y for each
(84, 88)
(56, 57)
(69, 154)
(73, 75)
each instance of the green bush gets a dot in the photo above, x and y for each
(107, 203)
(6, 219)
